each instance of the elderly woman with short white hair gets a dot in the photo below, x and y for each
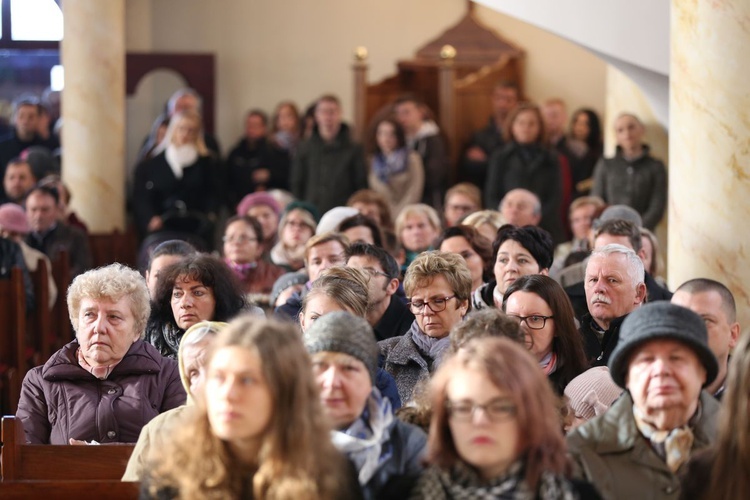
(107, 383)
(638, 447)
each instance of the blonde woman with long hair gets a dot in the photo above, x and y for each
(259, 431)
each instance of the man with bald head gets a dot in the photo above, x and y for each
(713, 302)
(521, 207)
(614, 288)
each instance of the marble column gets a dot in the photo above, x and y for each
(709, 179)
(93, 111)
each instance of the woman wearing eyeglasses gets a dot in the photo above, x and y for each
(243, 249)
(494, 431)
(438, 285)
(544, 311)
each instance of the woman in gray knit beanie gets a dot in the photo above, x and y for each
(386, 452)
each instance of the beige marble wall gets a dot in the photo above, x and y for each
(709, 186)
(93, 110)
(623, 95)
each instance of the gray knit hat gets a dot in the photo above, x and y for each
(285, 281)
(619, 212)
(661, 320)
(343, 332)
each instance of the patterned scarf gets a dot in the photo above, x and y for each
(386, 166)
(165, 337)
(241, 270)
(429, 347)
(462, 482)
(100, 372)
(364, 442)
(549, 363)
(672, 446)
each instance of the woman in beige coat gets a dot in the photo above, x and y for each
(395, 172)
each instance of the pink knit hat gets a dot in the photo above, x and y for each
(592, 392)
(255, 199)
(13, 218)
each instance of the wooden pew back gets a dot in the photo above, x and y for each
(62, 330)
(36, 462)
(12, 339)
(40, 321)
(108, 248)
(65, 490)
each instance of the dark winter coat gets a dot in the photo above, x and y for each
(61, 400)
(397, 475)
(244, 159)
(157, 190)
(68, 238)
(327, 173)
(406, 363)
(611, 453)
(533, 168)
(640, 183)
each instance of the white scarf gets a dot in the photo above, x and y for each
(363, 441)
(179, 157)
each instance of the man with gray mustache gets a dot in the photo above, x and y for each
(614, 286)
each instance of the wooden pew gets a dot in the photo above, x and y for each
(108, 248)
(62, 330)
(65, 490)
(38, 462)
(12, 339)
(40, 321)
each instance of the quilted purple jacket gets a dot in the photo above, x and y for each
(61, 400)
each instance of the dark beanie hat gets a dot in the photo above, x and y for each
(343, 332)
(661, 320)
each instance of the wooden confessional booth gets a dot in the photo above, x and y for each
(454, 75)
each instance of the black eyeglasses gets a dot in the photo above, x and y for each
(497, 410)
(373, 272)
(435, 305)
(534, 322)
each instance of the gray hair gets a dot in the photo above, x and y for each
(635, 265)
(537, 201)
(183, 92)
(111, 282)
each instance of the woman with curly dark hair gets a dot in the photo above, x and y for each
(197, 288)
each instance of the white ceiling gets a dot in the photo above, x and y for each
(632, 35)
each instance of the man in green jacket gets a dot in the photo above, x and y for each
(637, 448)
(329, 166)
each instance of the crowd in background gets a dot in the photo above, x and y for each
(366, 321)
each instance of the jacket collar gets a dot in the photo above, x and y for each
(140, 359)
(392, 318)
(613, 325)
(618, 432)
(405, 350)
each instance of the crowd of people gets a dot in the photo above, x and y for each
(367, 330)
